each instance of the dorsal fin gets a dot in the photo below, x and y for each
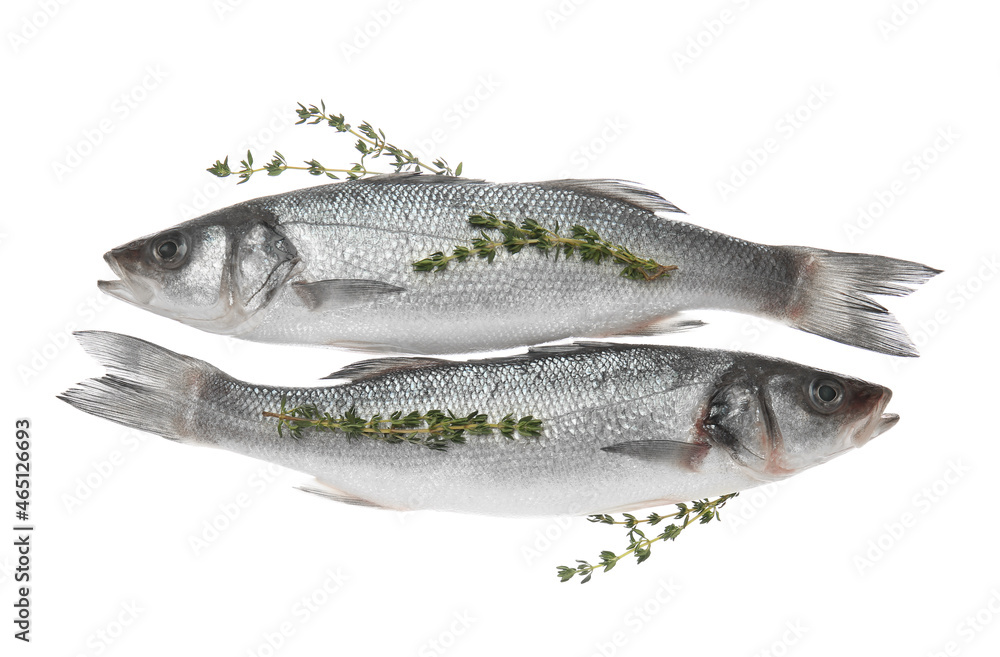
(412, 177)
(578, 347)
(366, 369)
(616, 190)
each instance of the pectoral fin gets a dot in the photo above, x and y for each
(671, 452)
(342, 292)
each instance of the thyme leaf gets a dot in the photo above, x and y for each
(370, 142)
(590, 246)
(434, 429)
(639, 544)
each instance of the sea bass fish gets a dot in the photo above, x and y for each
(621, 426)
(333, 265)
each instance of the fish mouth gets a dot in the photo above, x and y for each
(886, 422)
(880, 422)
(124, 289)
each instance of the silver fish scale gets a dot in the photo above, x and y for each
(375, 231)
(583, 399)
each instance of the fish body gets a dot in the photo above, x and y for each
(622, 426)
(333, 265)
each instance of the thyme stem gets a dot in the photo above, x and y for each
(371, 142)
(434, 429)
(591, 247)
(702, 511)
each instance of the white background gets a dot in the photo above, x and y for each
(113, 110)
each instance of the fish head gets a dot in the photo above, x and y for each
(778, 419)
(214, 273)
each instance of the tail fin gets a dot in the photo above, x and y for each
(833, 300)
(147, 387)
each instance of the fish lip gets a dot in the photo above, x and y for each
(878, 424)
(886, 422)
(118, 290)
(124, 289)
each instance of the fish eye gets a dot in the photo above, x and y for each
(170, 250)
(166, 250)
(826, 395)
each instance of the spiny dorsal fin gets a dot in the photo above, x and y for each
(413, 177)
(616, 190)
(366, 369)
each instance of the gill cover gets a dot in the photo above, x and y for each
(263, 262)
(740, 421)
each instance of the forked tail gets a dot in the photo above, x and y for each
(833, 298)
(147, 387)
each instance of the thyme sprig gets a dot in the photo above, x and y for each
(434, 429)
(371, 143)
(639, 544)
(513, 238)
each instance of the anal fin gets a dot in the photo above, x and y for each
(317, 487)
(659, 326)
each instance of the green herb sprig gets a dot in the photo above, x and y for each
(702, 512)
(513, 238)
(434, 429)
(371, 143)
